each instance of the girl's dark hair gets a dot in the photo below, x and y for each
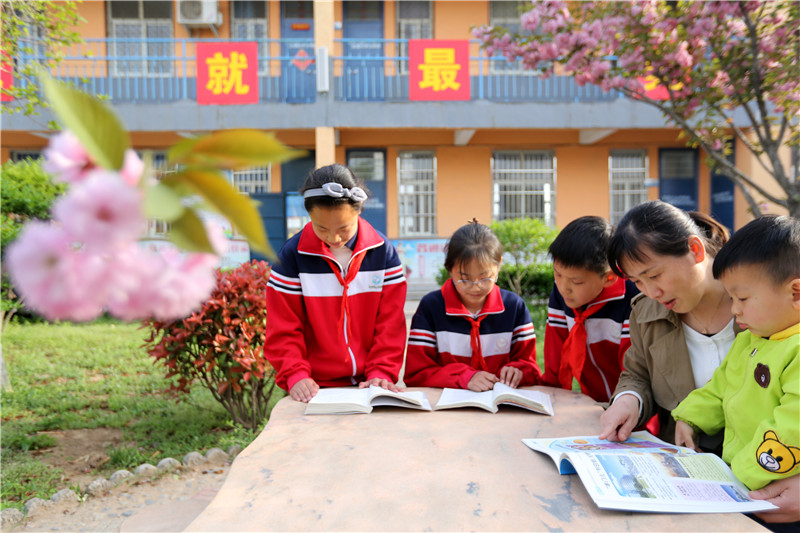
(472, 242)
(662, 228)
(331, 173)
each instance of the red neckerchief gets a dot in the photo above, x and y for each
(352, 271)
(454, 306)
(573, 353)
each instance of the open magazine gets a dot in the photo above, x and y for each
(645, 473)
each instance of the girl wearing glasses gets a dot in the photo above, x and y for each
(471, 334)
(335, 297)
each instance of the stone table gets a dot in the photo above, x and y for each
(406, 470)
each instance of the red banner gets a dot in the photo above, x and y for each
(227, 73)
(6, 76)
(438, 70)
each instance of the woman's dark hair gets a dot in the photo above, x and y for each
(331, 174)
(663, 229)
(472, 242)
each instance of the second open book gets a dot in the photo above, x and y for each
(491, 399)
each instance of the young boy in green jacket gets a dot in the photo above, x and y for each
(755, 393)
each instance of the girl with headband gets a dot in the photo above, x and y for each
(335, 298)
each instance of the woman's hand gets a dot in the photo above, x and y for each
(617, 422)
(785, 493)
(511, 376)
(684, 435)
(304, 390)
(380, 382)
(482, 381)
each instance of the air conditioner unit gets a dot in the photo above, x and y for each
(199, 13)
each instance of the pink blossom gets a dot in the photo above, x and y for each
(54, 278)
(132, 168)
(101, 211)
(66, 158)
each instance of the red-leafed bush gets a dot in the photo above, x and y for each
(221, 345)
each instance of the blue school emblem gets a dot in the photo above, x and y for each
(375, 283)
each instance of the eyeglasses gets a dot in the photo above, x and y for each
(484, 283)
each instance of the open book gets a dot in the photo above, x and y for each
(491, 399)
(349, 400)
(645, 473)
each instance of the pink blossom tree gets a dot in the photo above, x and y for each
(716, 70)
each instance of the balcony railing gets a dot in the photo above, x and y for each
(165, 70)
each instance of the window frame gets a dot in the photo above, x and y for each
(143, 66)
(419, 199)
(504, 177)
(402, 66)
(627, 194)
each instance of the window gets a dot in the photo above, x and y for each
(141, 33)
(414, 21)
(249, 23)
(523, 185)
(252, 180)
(24, 155)
(627, 171)
(416, 187)
(507, 14)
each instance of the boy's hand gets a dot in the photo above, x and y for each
(304, 390)
(617, 422)
(380, 382)
(510, 376)
(684, 435)
(482, 381)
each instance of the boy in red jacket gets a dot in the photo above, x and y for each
(587, 317)
(335, 298)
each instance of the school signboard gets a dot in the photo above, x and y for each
(438, 70)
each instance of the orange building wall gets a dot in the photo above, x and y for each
(463, 187)
(581, 183)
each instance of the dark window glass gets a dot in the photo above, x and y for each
(123, 9)
(250, 9)
(157, 10)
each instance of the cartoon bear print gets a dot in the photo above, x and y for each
(775, 456)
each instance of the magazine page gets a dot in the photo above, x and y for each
(663, 482)
(464, 397)
(556, 448)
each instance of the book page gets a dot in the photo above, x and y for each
(345, 395)
(385, 397)
(465, 398)
(503, 394)
(663, 482)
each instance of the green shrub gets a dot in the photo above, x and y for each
(222, 345)
(532, 282)
(525, 239)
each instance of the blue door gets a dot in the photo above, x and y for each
(364, 77)
(677, 177)
(722, 192)
(370, 166)
(298, 69)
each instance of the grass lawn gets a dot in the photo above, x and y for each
(79, 376)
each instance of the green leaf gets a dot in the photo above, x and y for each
(224, 198)
(234, 149)
(189, 233)
(162, 202)
(92, 122)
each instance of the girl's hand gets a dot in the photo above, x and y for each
(684, 435)
(482, 381)
(380, 382)
(617, 422)
(304, 390)
(511, 376)
(785, 493)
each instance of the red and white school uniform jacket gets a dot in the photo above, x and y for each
(334, 328)
(607, 338)
(447, 346)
